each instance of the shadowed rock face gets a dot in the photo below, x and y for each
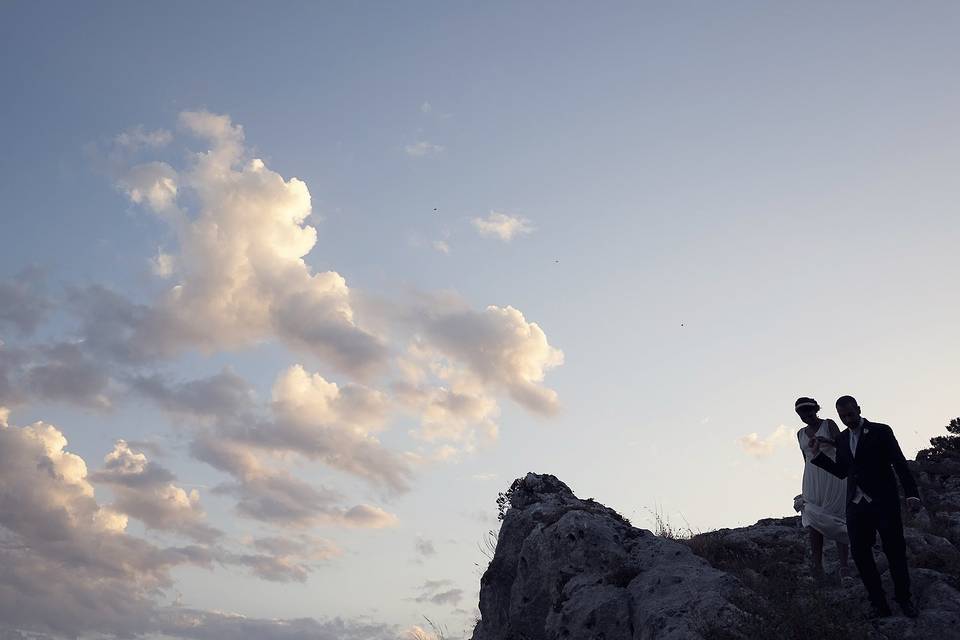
(567, 568)
(571, 568)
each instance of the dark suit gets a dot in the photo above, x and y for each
(871, 469)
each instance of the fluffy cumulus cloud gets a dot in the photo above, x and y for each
(145, 490)
(231, 275)
(759, 447)
(66, 564)
(498, 348)
(502, 226)
(69, 568)
(240, 276)
(458, 361)
(307, 417)
(320, 420)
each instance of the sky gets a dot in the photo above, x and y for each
(289, 292)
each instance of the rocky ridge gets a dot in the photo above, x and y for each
(572, 568)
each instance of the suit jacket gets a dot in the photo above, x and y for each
(872, 468)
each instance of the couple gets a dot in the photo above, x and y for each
(850, 495)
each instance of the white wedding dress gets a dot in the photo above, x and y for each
(824, 494)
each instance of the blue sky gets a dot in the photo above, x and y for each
(720, 209)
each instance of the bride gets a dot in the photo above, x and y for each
(822, 503)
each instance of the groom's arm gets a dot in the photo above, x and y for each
(840, 467)
(900, 465)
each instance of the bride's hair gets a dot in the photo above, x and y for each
(806, 402)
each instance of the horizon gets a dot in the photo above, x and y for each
(288, 297)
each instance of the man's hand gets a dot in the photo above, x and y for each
(914, 504)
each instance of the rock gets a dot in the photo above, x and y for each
(569, 568)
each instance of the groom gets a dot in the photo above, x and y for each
(867, 455)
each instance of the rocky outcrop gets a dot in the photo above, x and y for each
(571, 568)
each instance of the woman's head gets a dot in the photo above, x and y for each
(807, 409)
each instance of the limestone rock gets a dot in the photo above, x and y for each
(571, 568)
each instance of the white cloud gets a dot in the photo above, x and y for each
(496, 347)
(144, 490)
(759, 447)
(68, 566)
(441, 246)
(426, 107)
(241, 273)
(308, 417)
(502, 226)
(423, 148)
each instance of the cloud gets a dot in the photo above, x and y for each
(276, 496)
(69, 569)
(241, 237)
(215, 625)
(67, 566)
(459, 360)
(23, 305)
(66, 373)
(162, 265)
(759, 447)
(223, 396)
(153, 184)
(496, 347)
(57, 372)
(439, 592)
(145, 490)
(502, 226)
(426, 107)
(138, 138)
(320, 420)
(423, 148)
(286, 559)
(465, 414)
(424, 547)
(307, 416)
(441, 246)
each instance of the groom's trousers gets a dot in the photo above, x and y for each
(864, 521)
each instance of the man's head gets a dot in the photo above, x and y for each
(807, 409)
(849, 411)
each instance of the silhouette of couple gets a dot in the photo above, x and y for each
(850, 495)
